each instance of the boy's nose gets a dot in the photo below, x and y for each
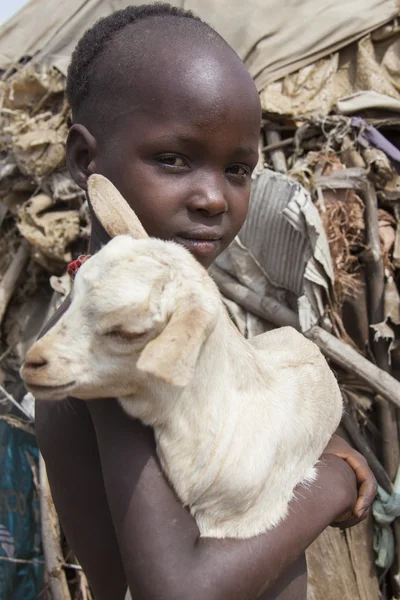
(208, 197)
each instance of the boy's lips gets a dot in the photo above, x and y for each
(201, 241)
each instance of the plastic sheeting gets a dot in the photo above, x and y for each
(20, 536)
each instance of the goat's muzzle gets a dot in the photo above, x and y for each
(42, 378)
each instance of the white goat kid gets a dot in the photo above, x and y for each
(238, 423)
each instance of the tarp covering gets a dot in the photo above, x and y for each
(364, 75)
(20, 536)
(274, 38)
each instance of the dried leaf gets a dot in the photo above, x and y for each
(50, 232)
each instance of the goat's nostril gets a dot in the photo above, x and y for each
(36, 363)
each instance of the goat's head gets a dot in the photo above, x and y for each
(139, 308)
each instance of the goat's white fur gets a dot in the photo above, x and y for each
(238, 423)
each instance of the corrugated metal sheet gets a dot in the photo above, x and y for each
(289, 258)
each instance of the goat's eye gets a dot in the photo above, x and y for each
(120, 334)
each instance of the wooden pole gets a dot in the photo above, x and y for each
(278, 158)
(362, 446)
(263, 306)
(333, 348)
(51, 539)
(351, 361)
(375, 271)
(10, 280)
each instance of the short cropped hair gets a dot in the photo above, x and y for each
(95, 40)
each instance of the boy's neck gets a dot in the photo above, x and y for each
(98, 238)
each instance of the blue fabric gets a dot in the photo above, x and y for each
(20, 534)
(386, 508)
(375, 138)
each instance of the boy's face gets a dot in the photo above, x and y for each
(182, 155)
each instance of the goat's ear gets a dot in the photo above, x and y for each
(172, 356)
(112, 210)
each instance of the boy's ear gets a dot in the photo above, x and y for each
(81, 150)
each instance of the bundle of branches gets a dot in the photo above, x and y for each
(43, 225)
(43, 221)
(351, 167)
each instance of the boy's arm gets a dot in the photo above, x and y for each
(162, 553)
(67, 441)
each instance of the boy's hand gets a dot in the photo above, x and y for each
(367, 485)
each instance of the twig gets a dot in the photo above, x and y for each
(277, 145)
(353, 179)
(265, 307)
(6, 352)
(351, 361)
(277, 156)
(34, 561)
(271, 125)
(376, 290)
(335, 349)
(14, 65)
(51, 539)
(15, 403)
(375, 271)
(388, 427)
(362, 446)
(373, 258)
(349, 155)
(11, 276)
(84, 586)
(14, 422)
(3, 211)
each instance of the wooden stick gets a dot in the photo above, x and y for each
(375, 271)
(17, 405)
(12, 275)
(265, 307)
(23, 561)
(267, 124)
(376, 292)
(335, 349)
(277, 145)
(387, 416)
(3, 212)
(373, 258)
(351, 361)
(349, 155)
(277, 156)
(363, 447)
(51, 539)
(349, 179)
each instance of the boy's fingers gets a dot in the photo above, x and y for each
(367, 485)
(351, 521)
(366, 482)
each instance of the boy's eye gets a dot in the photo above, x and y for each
(239, 171)
(172, 160)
